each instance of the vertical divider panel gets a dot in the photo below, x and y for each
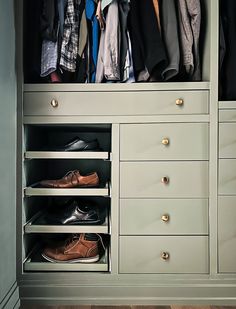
(115, 153)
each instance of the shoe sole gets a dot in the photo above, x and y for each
(80, 260)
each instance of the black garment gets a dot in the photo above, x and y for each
(50, 20)
(228, 72)
(32, 41)
(147, 47)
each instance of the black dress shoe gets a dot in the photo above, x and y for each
(76, 212)
(78, 144)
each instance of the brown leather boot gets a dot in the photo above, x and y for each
(75, 250)
(72, 179)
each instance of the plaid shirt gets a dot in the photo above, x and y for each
(69, 47)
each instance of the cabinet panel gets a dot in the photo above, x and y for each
(163, 216)
(115, 103)
(164, 141)
(163, 254)
(228, 115)
(227, 140)
(227, 233)
(164, 179)
(227, 176)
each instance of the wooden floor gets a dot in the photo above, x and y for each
(128, 307)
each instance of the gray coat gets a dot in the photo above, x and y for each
(170, 38)
(189, 22)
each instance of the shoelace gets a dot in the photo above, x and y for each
(76, 236)
(73, 173)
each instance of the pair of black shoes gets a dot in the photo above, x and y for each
(76, 211)
(77, 144)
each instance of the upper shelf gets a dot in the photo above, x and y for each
(67, 155)
(117, 87)
(102, 191)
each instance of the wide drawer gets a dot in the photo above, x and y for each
(227, 176)
(227, 233)
(163, 254)
(164, 141)
(163, 216)
(164, 179)
(115, 103)
(227, 140)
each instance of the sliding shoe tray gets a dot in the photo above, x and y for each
(37, 224)
(67, 155)
(36, 262)
(99, 191)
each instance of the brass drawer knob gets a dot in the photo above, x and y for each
(165, 218)
(165, 141)
(54, 103)
(165, 180)
(165, 256)
(179, 102)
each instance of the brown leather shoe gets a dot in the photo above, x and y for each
(76, 250)
(72, 179)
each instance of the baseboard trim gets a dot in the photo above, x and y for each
(129, 295)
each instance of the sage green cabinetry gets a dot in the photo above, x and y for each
(9, 294)
(164, 216)
(168, 239)
(163, 254)
(115, 103)
(227, 190)
(227, 233)
(164, 141)
(164, 179)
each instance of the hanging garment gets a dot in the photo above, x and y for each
(49, 57)
(170, 38)
(189, 25)
(129, 68)
(93, 26)
(147, 47)
(82, 45)
(69, 46)
(109, 49)
(228, 49)
(124, 51)
(49, 20)
(105, 3)
(61, 12)
(99, 15)
(32, 41)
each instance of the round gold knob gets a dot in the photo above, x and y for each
(165, 180)
(165, 141)
(54, 103)
(179, 102)
(165, 256)
(165, 218)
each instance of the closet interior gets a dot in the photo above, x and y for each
(146, 113)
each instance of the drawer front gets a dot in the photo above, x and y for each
(164, 141)
(163, 216)
(115, 103)
(227, 140)
(149, 254)
(227, 233)
(227, 176)
(164, 179)
(228, 115)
